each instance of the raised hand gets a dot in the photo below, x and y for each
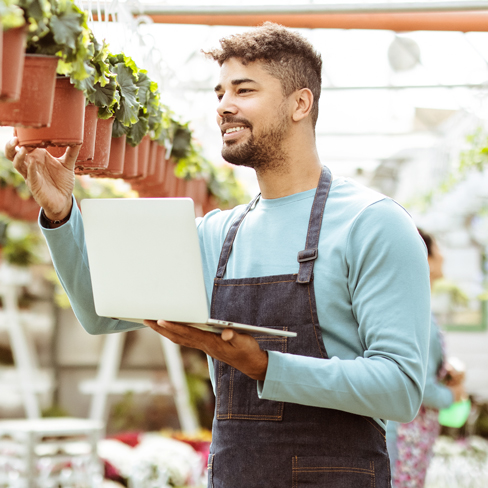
(51, 180)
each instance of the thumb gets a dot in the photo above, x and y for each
(228, 335)
(70, 156)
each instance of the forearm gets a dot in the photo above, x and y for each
(437, 395)
(374, 387)
(67, 247)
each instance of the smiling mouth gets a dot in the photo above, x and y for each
(233, 132)
(234, 129)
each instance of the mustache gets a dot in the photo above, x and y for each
(228, 119)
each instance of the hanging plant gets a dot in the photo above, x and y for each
(59, 28)
(11, 15)
(100, 87)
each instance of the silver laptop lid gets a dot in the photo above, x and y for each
(144, 258)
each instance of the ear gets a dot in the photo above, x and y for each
(303, 104)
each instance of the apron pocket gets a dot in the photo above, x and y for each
(333, 472)
(237, 394)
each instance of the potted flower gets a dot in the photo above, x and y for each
(57, 42)
(14, 32)
(138, 134)
(68, 38)
(100, 90)
(101, 93)
(34, 107)
(125, 111)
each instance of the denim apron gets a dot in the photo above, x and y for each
(270, 444)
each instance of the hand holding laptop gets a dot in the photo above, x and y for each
(241, 351)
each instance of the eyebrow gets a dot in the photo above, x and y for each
(235, 83)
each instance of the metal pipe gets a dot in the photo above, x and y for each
(310, 9)
(460, 16)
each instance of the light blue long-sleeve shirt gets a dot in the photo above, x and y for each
(371, 283)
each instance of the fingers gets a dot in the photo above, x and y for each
(31, 171)
(19, 161)
(10, 151)
(70, 157)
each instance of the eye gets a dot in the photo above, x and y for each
(219, 96)
(244, 90)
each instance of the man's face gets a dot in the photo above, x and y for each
(253, 115)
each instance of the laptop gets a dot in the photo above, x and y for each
(145, 263)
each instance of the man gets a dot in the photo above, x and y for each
(309, 410)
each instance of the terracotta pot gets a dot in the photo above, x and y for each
(210, 204)
(180, 190)
(157, 177)
(152, 185)
(17, 207)
(170, 180)
(35, 106)
(12, 63)
(197, 190)
(68, 118)
(153, 156)
(103, 139)
(143, 157)
(130, 161)
(90, 122)
(87, 149)
(116, 159)
(28, 209)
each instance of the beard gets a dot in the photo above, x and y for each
(261, 152)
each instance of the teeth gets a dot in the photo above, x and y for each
(234, 129)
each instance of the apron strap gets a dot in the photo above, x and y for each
(307, 257)
(231, 235)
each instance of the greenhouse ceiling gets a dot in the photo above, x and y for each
(385, 92)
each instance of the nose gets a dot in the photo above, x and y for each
(226, 106)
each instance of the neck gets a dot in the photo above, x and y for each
(299, 171)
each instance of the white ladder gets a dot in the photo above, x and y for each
(12, 278)
(108, 369)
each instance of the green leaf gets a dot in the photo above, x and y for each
(66, 28)
(144, 84)
(181, 142)
(104, 96)
(137, 131)
(127, 111)
(118, 130)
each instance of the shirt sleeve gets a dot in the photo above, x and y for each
(436, 395)
(68, 252)
(388, 282)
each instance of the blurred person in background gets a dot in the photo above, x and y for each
(410, 445)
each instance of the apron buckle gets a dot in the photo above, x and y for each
(307, 255)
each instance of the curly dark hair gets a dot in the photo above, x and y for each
(429, 241)
(286, 54)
